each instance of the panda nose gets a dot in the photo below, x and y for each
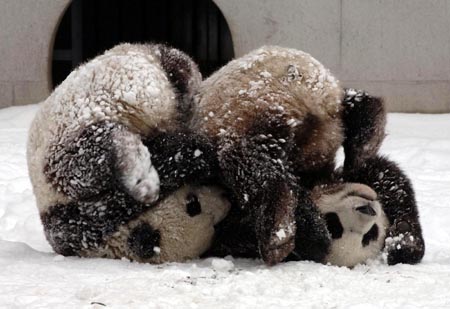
(367, 210)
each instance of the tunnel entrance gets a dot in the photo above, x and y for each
(89, 27)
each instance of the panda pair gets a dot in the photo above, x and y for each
(130, 155)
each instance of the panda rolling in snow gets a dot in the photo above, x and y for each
(86, 141)
(277, 118)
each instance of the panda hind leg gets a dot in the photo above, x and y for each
(256, 168)
(100, 158)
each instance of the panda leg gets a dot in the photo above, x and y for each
(364, 119)
(404, 241)
(255, 168)
(101, 157)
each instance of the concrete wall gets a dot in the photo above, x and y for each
(399, 49)
(26, 36)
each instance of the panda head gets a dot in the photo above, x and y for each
(355, 220)
(178, 228)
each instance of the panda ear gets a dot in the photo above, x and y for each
(364, 119)
(182, 158)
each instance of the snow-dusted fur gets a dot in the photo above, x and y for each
(270, 113)
(85, 143)
(277, 117)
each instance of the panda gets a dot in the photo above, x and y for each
(277, 117)
(91, 173)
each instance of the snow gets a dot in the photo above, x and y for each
(32, 276)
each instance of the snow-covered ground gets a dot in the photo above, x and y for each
(32, 276)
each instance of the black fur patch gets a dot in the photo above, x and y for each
(143, 239)
(334, 225)
(236, 235)
(83, 166)
(364, 118)
(312, 239)
(87, 224)
(193, 206)
(397, 198)
(182, 158)
(371, 235)
(178, 67)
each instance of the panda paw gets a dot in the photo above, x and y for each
(404, 248)
(134, 168)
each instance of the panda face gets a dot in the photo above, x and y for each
(180, 227)
(355, 220)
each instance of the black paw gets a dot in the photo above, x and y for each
(404, 247)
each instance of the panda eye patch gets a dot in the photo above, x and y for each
(193, 206)
(371, 235)
(334, 225)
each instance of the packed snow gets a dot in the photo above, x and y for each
(33, 276)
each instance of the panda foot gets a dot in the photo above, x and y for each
(278, 227)
(277, 249)
(134, 168)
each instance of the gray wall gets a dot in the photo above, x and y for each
(26, 40)
(399, 49)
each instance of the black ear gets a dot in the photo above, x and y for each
(364, 119)
(182, 158)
